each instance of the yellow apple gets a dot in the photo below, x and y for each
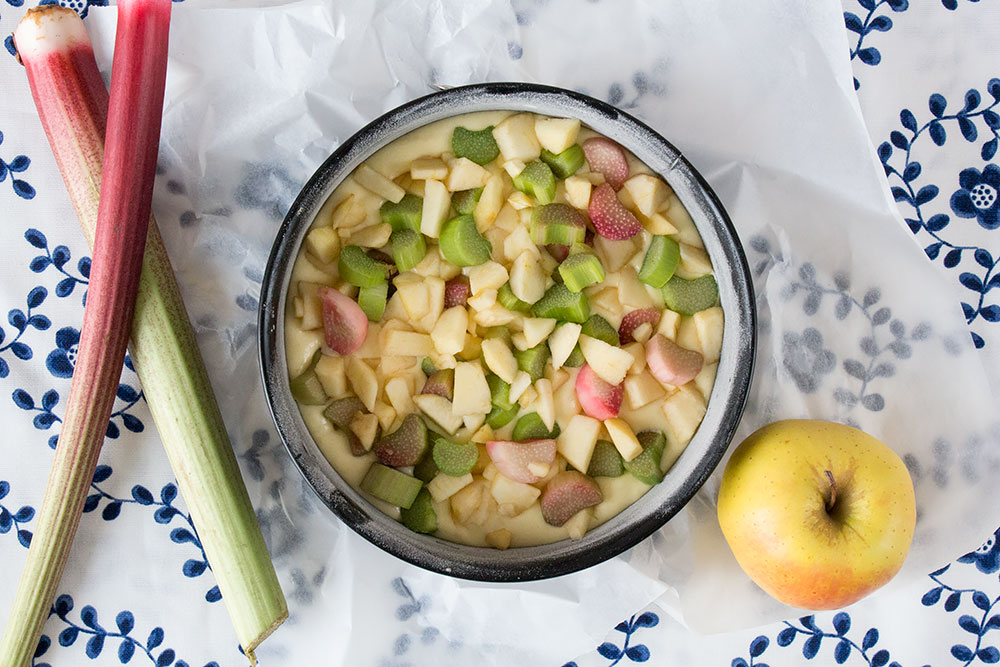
(818, 514)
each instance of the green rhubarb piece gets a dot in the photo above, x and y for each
(532, 361)
(500, 417)
(660, 262)
(453, 458)
(427, 366)
(342, 411)
(560, 224)
(687, 297)
(420, 517)
(462, 244)
(408, 248)
(500, 332)
(394, 487)
(531, 427)
(599, 328)
(464, 202)
(560, 303)
(646, 466)
(426, 469)
(606, 461)
(507, 299)
(566, 163)
(575, 358)
(476, 145)
(306, 387)
(537, 180)
(406, 445)
(357, 268)
(502, 410)
(404, 214)
(372, 300)
(579, 271)
(440, 383)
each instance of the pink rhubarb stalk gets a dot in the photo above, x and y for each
(136, 106)
(72, 103)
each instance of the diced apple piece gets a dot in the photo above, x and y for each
(466, 501)
(708, 324)
(514, 459)
(473, 422)
(488, 275)
(298, 307)
(578, 192)
(537, 329)
(490, 202)
(372, 236)
(371, 348)
(625, 441)
(576, 442)
(519, 385)
(648, 192)
(439, 411)
(598, 399)
(546, 402)
(527, 278)
(566, 494)
(642, 390)
(515, 136)
(472, 393)
(507, 219)
(614, 254)
(378, 184)
(399, 394)
(694, 262)
(679, 218)
(528, 398)
(408, 344)
(498, 539)
(332, 374)
(484, 300)
(364, 384)
(430, 265)
(464, 174)
(365, 426)
(437, 207)
(415, 299)
(632, 292)
(670, 363)
(668, 324)
(499, 359)
(556, 134)
(518, 242)
(347, 213)
(577, 526)
(562, 341)
(609, 362)
(659, 225)
(428, 168)
(638, 352)
(448, 334)
(514, 167)
(512, 497)
(706, 379)
(323, 243)
(443, 487)
(684, 410)
(435, 304)
(494, 316)
(520, 201)
(687, 334)
(312, 307)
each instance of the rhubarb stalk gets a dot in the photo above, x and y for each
(72, 103)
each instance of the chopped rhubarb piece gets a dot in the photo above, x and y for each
(670, 363)
(462, 244)
(440, 383)
(610, 217)
(476, 145)
(531, 427)
(420, 517)
(633, 319)
(373, 300)
(688, 297)
(561, 304)
(345, 325)
(608, 159)
(606, 461)
(359, 268)
(566, 494)
(464, 201)
(646, 466)
(457, 291)
(559, 224)
(453, 458)
(513, 459)
(598, 399)
(599, 328)
(392, 486)
(537, 180)
(404, 214)
(406, 445)
(408, 248)
(564, 164)
(582, 270)
(660, 262)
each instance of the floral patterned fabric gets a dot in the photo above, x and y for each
(139, 588)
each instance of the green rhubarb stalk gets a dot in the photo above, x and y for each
(72, 103)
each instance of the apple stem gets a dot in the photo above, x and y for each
(833, 491)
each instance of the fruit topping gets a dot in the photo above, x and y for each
(306, 387)
(515, 136)
(507, 299)
(462, 244)
(426, 469)
(527, 278)
(453, 458)
(606, 461)
(406, 445)
(561, 304)
(608, 159)
(514, 459)
(440, 383)
(391, 485)
(358, 268)
(670, 363)
(556, 134)
(408, 248)
(579, 271)
(372, 301)
(599, 328)
(531, 427)
(646, 466)
(476, 145)
(566, 494)
(610, 217)
(532, 361)
(557, 223)
(558, 251)
(457, 291)
(464, 201)
(624, 438)
(537, 180)
(562, 342)
(427, 366)
(420, 517)
(599, 399)
(660, 262)
(611, 363)
(687, 297)
(345, 325)
(566, 163)
(633, 320)
(503, 409)
(404, 214)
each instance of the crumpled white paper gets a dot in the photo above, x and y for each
(854, 325)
